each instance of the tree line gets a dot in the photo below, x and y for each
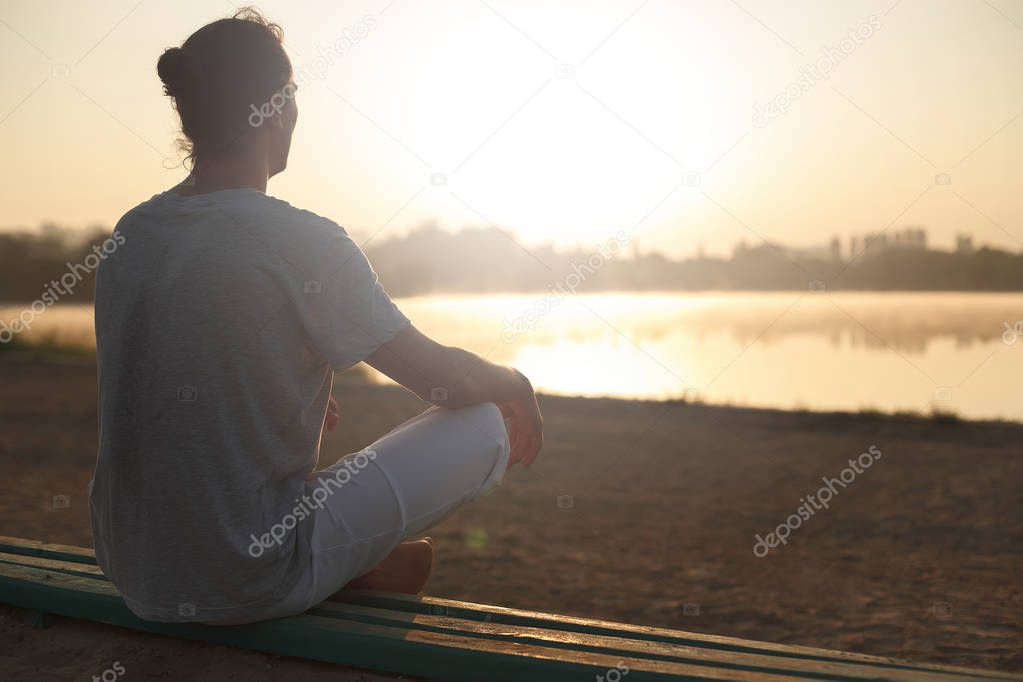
(487, 260)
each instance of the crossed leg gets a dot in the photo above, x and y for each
(417, 475)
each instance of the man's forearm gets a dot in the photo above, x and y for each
(476, 380)
(445, 375)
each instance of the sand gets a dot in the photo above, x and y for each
(918, 557)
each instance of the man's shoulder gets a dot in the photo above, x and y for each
(281, 212)
(297, 233)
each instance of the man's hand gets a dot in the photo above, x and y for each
(525, 428)
(333, 416)
(422, 365)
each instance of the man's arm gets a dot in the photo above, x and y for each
(453, 377)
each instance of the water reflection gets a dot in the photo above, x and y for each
(848, 351)
(852, 351)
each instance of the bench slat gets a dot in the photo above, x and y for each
(377, 647)
(47, 550)
(617, 646)
(613, 646)
(568, 634)
(624, 646)
(81, 570)
(510, 616)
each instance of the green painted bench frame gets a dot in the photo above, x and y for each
(445, 639)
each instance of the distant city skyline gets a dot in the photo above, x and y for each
(838, 247)
(484, 260)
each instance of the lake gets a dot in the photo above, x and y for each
(918, 352)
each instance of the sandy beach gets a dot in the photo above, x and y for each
(643, 512)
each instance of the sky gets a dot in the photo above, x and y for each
(696, 125)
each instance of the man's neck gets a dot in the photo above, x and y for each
(232, 174)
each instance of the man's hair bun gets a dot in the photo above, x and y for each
(177, 70)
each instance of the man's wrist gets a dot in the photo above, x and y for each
(527, 386)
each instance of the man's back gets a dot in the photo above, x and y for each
(214, 323)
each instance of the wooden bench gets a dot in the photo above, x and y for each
(441, 638)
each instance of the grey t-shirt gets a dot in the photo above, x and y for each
(219, 319)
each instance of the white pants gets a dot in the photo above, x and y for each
(422, 471)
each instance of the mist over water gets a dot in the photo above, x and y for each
(849, 351)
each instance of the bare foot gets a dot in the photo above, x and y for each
(406, 569)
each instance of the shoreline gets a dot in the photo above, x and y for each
(86, 358)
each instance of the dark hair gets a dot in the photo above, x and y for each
(218, 74)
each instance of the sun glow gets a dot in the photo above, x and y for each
(563, 121)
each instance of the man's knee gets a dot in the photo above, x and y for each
(489, 413)
(487, 422)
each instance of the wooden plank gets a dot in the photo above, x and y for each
(70, 568)
(411, 652)
(573, 641)
(82, 555)
(509, 616)
(435, 615)
(620, 646)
